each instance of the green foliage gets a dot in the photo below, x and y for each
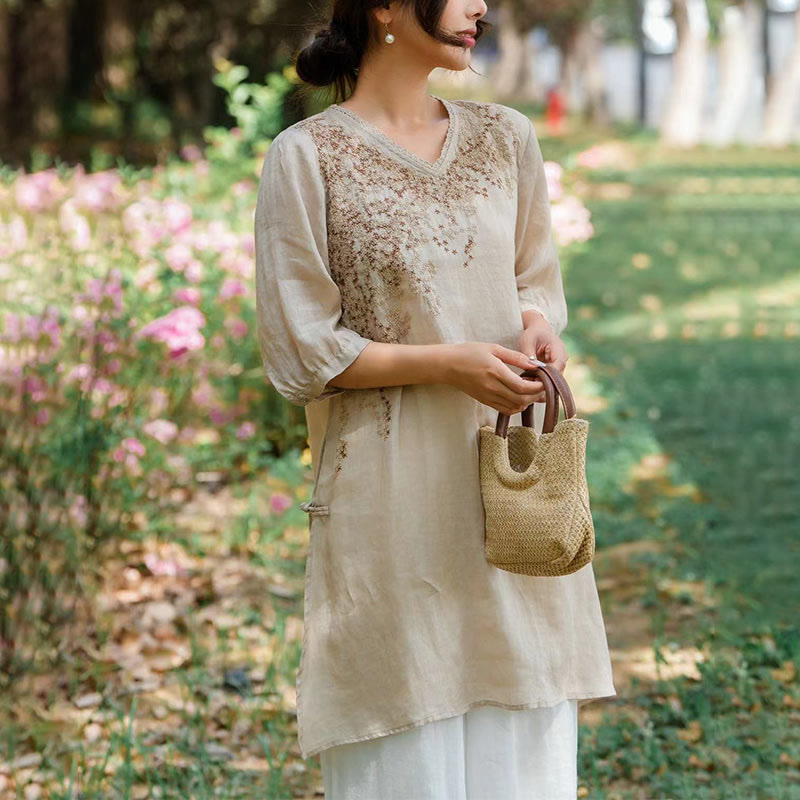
(618, 18)
(257, 109)
(731, 732)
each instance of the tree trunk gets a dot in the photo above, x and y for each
(5, 73)
(508, 71)
(531, 89)
(44, 44)
(738, 67)
(570, 79)
(784, 96)
(119, 65)
(684, 109)
(591, 41)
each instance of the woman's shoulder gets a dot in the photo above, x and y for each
(293, 136)
(492, 117)
(294, 146)
(300, 141)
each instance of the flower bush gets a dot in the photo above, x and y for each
(128, 361)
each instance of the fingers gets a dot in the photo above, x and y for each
(518, 384)
(502, 405)
(518, 401)
(512, 357)
(516, 392)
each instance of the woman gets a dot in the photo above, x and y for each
(405, 267)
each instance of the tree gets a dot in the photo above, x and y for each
(783, 96)
(738, 51)
(576, 28)
(681, 124)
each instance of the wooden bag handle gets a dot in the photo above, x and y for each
(555, 388)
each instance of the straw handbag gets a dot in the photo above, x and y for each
(533, 486)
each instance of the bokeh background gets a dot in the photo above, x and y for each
(153, 549)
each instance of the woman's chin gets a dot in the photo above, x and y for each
(461, 60)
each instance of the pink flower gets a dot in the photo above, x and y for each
(246, 430)
(163, 430)
(79, 510)
(191, 152)
(81, 373)
(242, 187)
(279, 502)
(188, 294)
(231, 287)
(236, 327)
(571, 221)
(178, 215)
(179, 330)
(237, 263)
(99, 191)
(133, 465)
(592, 157)
(220, 415)
(105, 293)
(607, 154)
(178, 256)
(203, 393)
(133, 445)
(38, 191)
(194, 271)
(161, 566)
(35, 387)
(49, 325)
(553, 172)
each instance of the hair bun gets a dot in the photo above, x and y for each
(328, 57)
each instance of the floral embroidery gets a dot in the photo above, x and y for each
(341, 454)
(383, 214)
(377, 400)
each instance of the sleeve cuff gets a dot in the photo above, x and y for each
(350, 347)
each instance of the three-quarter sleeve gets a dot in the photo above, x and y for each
(302, 342)
(537, 268)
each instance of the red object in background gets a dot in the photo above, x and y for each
(555, 110)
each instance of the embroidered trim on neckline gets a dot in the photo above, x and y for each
(403, 152)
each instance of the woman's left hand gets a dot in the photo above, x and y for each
(540, 341)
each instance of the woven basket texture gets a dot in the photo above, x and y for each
(536, 500)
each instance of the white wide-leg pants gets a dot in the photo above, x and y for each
(487, 753)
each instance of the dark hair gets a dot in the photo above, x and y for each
(333, 56)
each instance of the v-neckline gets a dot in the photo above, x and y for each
(403, 152)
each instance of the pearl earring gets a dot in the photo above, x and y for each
(389, 38)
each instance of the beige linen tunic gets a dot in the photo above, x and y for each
(357, 240)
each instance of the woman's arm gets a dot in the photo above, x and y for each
(480, 369)
(383, 364)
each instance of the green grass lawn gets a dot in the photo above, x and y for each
(686, 307)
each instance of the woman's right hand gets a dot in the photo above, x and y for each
(482, 370)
